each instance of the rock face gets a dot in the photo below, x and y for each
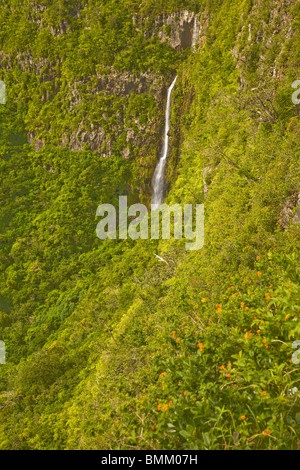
(36, 142)
(175, 29)
(288, 213)
(206, 171)
(115, 84)
(256, 32)
(122, 84)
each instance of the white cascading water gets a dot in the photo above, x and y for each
(195, 33)
(158, 180)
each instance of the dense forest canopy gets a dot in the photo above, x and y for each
(108, 346)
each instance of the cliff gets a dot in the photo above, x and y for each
(141, 344)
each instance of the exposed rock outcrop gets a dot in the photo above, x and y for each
(176, 29)
(116, 84)
(259, 35)
(122, 84)
(206, 172)
(290, 211)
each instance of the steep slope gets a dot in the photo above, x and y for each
(108, 347)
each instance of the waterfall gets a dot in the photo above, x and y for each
(158, 180)
(195, 33)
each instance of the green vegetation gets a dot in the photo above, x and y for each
(107, 347)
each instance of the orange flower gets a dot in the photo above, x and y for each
(162, 374)
(243, 417)
(185, 393)
(257, 257)
(219, 310)
(264, 340)
(242, 304)
(200, 346)
(177, 340)
(173, 335)
(266, 431)
(165, 407)
(249, 335)
(259, 273)
(159, 406)
(153, 428)
(268, 298)
(258, 331)
(263, 393)
(228, 376)
(246, 308)
(222, 367)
